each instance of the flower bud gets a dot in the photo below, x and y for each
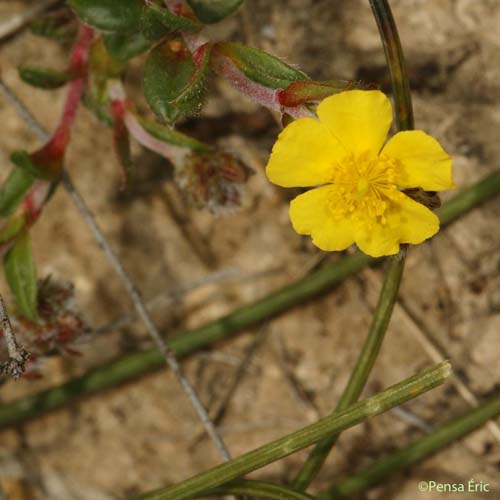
(213, 180)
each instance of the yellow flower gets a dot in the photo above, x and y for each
(359, 199)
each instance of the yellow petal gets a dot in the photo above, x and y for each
(406, 221)
(359, 119)
(303, 155)
(310, 213)
(422, 161)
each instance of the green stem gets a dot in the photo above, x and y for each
(285, 446)
(395, 61)
(256, 489)
(420, 449)
(361, 372)
(388, 294)
(468, 198)
(132, 366)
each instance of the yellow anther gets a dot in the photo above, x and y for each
(364, 185)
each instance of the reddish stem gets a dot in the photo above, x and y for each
(57, 145)
(50, 156)
(265, 96)
(172, 153)
(34, 201)
(78, 67)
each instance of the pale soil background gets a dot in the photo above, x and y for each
(145, 434)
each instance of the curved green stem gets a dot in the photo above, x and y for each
(131, 366)
(396, 63)
(361, 372)
(394, 272)
(417, 451)
(285, 446)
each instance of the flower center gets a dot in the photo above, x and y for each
(364, 186)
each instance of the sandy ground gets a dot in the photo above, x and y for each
(145, 434)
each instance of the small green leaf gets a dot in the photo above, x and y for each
(39, 164)
(12, 227)
(109, 15)
(158, 22)
(13, 190)
(171, 136)
(259, 66)
(212, 11)
(20, 272)
(173, 83)
(53, 28)
(23, 160)
(125, 47)
(102, 64)
(42, 77)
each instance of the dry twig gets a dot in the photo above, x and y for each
(126, 280)
(17, 354)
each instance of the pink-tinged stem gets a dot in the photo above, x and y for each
(34, 201)
(58, 143)
(172, 153)
(262, 95)
(51, 154)
(80, 52)
(78, 67)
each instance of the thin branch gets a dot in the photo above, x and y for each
(241, 371)
(392, 279)
(396, 63)
(139, 305)
(18, 356)
(410, 418)
(418, 330)
(132, 366)
(298, 440)
(169, 297)
(362, 369)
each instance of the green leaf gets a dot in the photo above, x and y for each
(212, 11)
(259, 66)
(23, 160)
(171, 136)
(39, 164)
(54, 29)
(12, 227)
(158, 22)
(42, 77)
(20, 272)
(125, 47)
(13, 190)
(173, 83)
(102, 64)
(109, 15)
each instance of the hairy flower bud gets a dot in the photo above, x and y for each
(213, 180)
